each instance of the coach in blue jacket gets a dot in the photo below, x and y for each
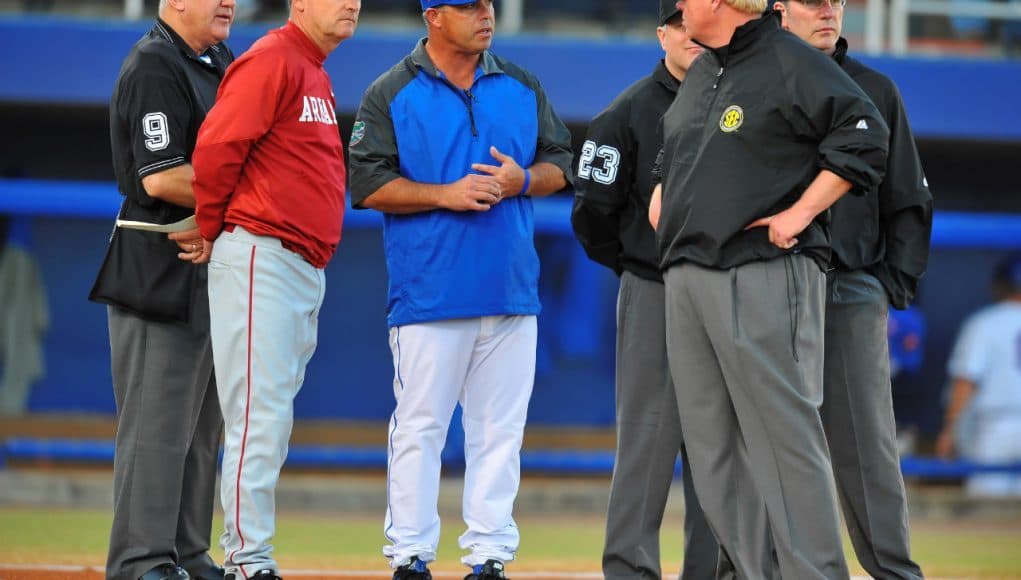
(451, 144)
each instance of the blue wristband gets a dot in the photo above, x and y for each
(528, 181)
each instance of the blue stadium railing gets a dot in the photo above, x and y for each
(89, 199)
(557, 462)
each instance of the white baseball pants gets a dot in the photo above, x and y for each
(997, 441)
(264, 309)
(488, 365)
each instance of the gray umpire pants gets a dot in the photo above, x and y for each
(648, 439)
(857, 413)
(168, 438)
(748, 343)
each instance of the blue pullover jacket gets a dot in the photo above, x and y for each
(416, 124)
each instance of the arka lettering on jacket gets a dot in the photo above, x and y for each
(317, 110)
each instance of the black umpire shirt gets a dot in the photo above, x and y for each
(161, 98)
(887, 230)
(614, 184)
(162, 95)
(751, 127)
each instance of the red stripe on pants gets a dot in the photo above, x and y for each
(248, 406)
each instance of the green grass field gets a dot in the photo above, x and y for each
(335, 542)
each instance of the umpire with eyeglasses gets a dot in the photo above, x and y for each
(880, 251)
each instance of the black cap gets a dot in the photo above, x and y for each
(667, 10)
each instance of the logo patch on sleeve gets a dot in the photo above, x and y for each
(357, 132)
(732, 119)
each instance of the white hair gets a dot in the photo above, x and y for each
(749, 6)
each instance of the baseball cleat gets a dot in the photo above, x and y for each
(260, 575)
(491, 570)
(415, 569)
(210, 573)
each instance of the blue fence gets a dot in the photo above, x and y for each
(550, 461)
(89, 199)
(350, 377)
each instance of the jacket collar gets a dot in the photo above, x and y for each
(662, 76)
(841, 51)
(167, 33)
(749, 32)
(420, 58)
(303, 42)
(747, 35)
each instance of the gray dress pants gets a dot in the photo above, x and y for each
(857, 413)
(168, 437)
(748, 343)
(648, 439)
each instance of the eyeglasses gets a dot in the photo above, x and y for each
(817, 4)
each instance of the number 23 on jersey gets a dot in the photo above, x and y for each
(610, 158)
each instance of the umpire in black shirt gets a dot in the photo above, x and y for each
(168, 415)
(765, 134)
(880, 251)
(610, 220)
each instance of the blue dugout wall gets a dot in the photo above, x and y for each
(74, 63)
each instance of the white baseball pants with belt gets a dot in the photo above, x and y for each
(488, 365)
(264, 305)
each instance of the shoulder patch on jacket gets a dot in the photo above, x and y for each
(357, 133)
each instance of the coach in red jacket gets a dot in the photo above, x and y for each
(269, 188)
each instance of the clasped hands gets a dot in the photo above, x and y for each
(481, 191)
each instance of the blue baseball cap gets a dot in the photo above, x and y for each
(426, 4)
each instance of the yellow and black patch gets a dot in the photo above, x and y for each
(732, 119)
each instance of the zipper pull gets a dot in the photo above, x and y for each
(471, 112)
(718, 75)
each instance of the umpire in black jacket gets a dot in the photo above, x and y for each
(765, 134)
(611, 203)
(168, 414)
(880, 251)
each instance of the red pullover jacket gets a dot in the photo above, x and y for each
(269, 156)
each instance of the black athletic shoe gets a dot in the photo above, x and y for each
(491, 570)
(413, 570)
(202, 567)
(260, 575)
(166, 572)
(207, 573)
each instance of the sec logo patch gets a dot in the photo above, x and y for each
(732, 119)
